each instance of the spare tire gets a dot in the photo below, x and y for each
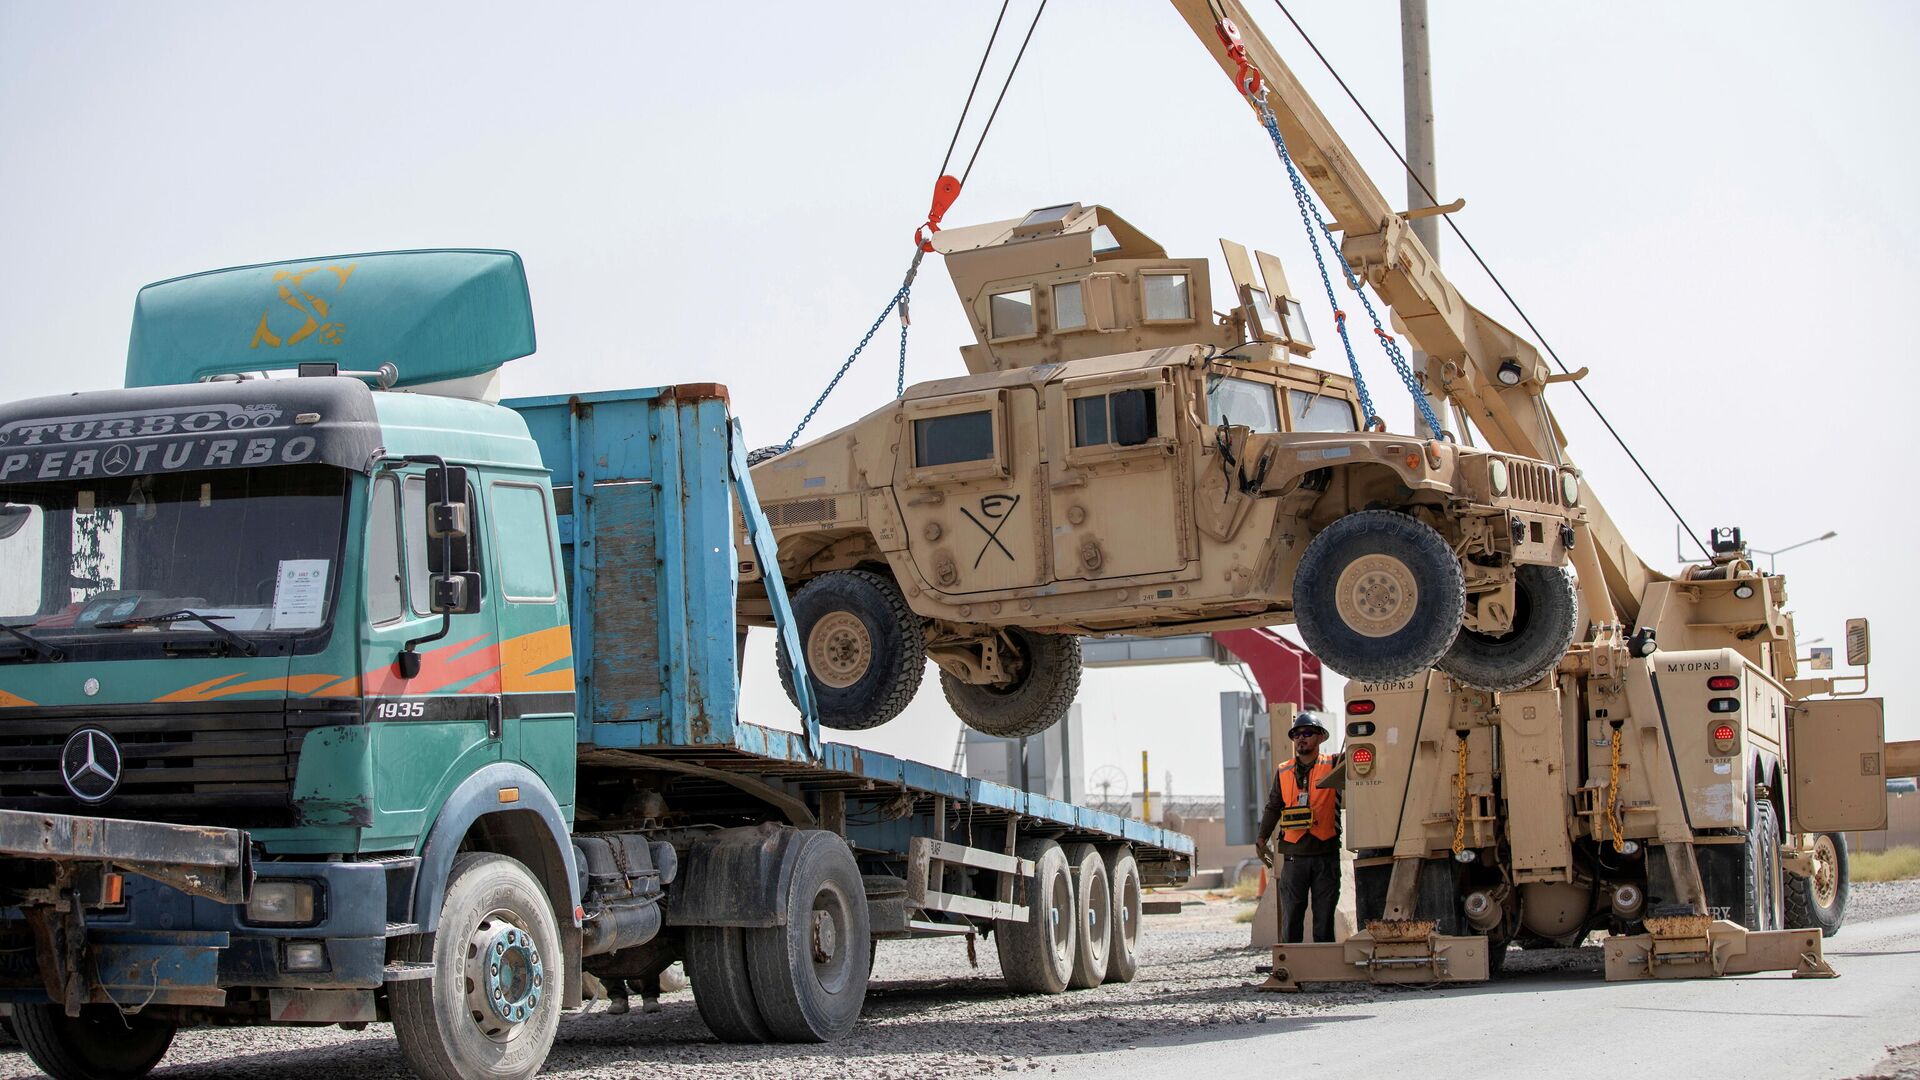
(1545, 618)
(1378, 595)
(865, 648)
(1046, 678)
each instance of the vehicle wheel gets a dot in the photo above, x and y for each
(1093, 912)
(1123, 878)
(1819, 900)
(865, 648)
(1544, 614)
(493, 1004)
(1378, 595)
(722, 989)
(1739, 878)
(1036, 956)
(1767, 886)
(764, 453)
(810, 975)
(1046, 678)
(99, 1044)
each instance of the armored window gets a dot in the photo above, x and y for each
(1242, 402)
(1165, 298)
(1104, 241)
(1266, 321)
(1051, 215)
(1296, 322)
(1124, 417)
(948, 440)
(384, 570)
(1011, 313)
(1069, 307)
(1320, 412)
(524, 541)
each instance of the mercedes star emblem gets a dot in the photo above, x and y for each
(90, 765)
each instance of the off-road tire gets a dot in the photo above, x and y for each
(1093, 912)
(1544, 621)
(1768, 886)
(896, 640)
(1804, 909)
(1036, 956)
(433, 1018)
(99, 1044)
(1740, 877)
(764, 453)
(722, 989)
(803, 996)
(1430, 628)
(1123, 879)
(1049, 680)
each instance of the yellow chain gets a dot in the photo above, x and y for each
(1460, 796)
(1613, 795)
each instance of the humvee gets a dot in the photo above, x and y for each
(1120, 459)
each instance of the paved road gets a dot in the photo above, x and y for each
(1572, 1027)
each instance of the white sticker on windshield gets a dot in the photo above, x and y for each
(300, 596)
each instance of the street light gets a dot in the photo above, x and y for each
(1828, 535)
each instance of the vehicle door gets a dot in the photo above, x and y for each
(1114, 491)
(965, 473)
(1836, 771)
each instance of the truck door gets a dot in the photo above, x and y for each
(965, 474)
(1112, 481)
(1836, 765)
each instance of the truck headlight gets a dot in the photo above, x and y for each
(1570, 488)
(1497, 476)
(283, 903)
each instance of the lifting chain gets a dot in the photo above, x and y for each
(1613, 793)
(1460, 797)
(900, 380)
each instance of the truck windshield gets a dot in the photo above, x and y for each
(1243, 402)
(256, 550)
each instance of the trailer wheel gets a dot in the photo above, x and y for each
(1819, 900)
(810, 975)
(1378, 595)
(99, 1044)
(1544, 621)
(1036, 956)
(1093, 911)
(493, 1004)
(865, 648)
(1123, 877)
(1046, 679)
(722, 989)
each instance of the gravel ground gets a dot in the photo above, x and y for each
(928, 1015)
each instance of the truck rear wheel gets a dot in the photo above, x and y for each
(722, 989)
(1093, 911)
(99, 1044)
(1741, 879)
(1123, 877)
(810, 975)
(493, 1004)
(865, 648)
(1544, 620)
(1378, 595)
(1046, 678)
(1036, 956)
(1819, 900)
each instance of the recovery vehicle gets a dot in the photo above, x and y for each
(354, 695)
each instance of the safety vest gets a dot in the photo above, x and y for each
(1314, 810)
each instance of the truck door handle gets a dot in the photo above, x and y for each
(931, 498)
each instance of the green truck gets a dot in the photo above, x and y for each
(334, 690)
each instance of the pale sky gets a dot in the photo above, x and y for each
(1708, 204)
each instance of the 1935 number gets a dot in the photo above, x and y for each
(400, 710)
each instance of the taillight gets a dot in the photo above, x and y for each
(1724, 682)
(1725, 738)
(1362, 707)
(1723, 733)
(1360, 759)
(1723, 704)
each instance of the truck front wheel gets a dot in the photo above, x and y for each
(1819, 900)
(493, 1004)
(1045, 678)
(99, 1044)
(1378, 595)
(865, 649)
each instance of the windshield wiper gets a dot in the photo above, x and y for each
(246, 647)
(42, 649)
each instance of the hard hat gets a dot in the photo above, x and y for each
(1310, 721)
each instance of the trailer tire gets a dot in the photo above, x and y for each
(1093, 912)
(99, 1044)
(810, 974)
(1042, 692)
(1378, 595)
(480, 1017)
(1819, 900)
(1123, 878)
(1544, 620)
(866, 650)
(1036, 956)
(722, 989)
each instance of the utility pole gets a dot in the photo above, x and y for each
(1417, 92)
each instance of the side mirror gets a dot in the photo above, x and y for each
(13, 517)
(1859, 643)
(1133, 419)
(453, 581)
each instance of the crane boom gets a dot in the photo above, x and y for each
(1465, 348)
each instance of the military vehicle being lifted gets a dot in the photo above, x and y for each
(1118, 460)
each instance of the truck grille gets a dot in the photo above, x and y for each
(1533, 482)
(205, 764)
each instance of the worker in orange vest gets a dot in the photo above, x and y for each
(1308, 816)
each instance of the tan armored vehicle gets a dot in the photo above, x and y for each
(1118, 459)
